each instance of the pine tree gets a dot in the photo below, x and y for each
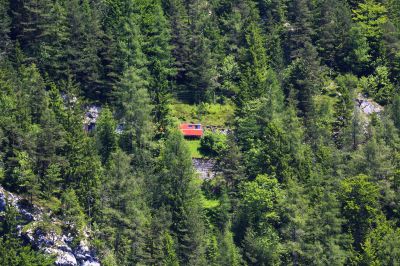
(229, 252)
(295, 217)
(50, 141)
(229, 163)
(25, 179)
(299, 29)
(381, 245)
(5, 28)
(196, 66)
(30, 22)
(83, 48)
(325, 240)
(258, 215)
(258, 80)
(51, 181)
(34, 95)
(394, 110)
(178, 18)
(135, 115)
(332, 23)
(359, 204)
(170, 255)
(344, 107)
(106, 138)
(72, 212)
(53, 47)
(156, 46)
(126, 217)
(177, 191)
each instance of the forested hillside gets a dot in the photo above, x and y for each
(307, 174)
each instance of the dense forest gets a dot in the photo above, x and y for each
(304, 176)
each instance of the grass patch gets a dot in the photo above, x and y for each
(205, 113)
(210, 204)
(194, 146)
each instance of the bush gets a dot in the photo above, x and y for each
(212, 144)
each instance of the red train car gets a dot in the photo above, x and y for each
(192, 130)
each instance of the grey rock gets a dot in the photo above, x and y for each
(49, 242)
(204, 168)
(367, 106)
(63, 258)
(2, 202)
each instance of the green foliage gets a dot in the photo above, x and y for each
(170, 258)
(370, 16)
(106, 138)
(359, 58)
(12, 250)
(52, 180)
(259, 210)
(194, 148)
(379, 86)
(212, 144)
(72, 212)
(24, 176)
(260, 199)
(177, 191)
(359, 198)
(304, 176)
(380, 246)
(220, 115)
(5, 28)
(125, 216)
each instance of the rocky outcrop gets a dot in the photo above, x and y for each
(204, 168)
(218, 129)
(51, 241)
(367, 106)
(91, 116)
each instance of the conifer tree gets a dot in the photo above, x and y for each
(34, 99)
(295, 216)
(359, 205)
(170, 258)
(135, 114)
(30, 22)
(72, 212)
(332, 23)
(126, 217)
(50, 141)
(51, 181)
(177, 191)
(259, 214)
(394, 110)
(24, 177)
(83, 48)
(299, 29)
(157, 47)
(53, 47)
(5, 29)
(106, 138)
(325, 240)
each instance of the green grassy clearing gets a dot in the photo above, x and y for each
(207, 114)
(194, 146)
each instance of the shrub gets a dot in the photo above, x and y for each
(212, 144)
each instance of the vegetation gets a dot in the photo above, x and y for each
(194, 148)
(219, 115)
(306, 176)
